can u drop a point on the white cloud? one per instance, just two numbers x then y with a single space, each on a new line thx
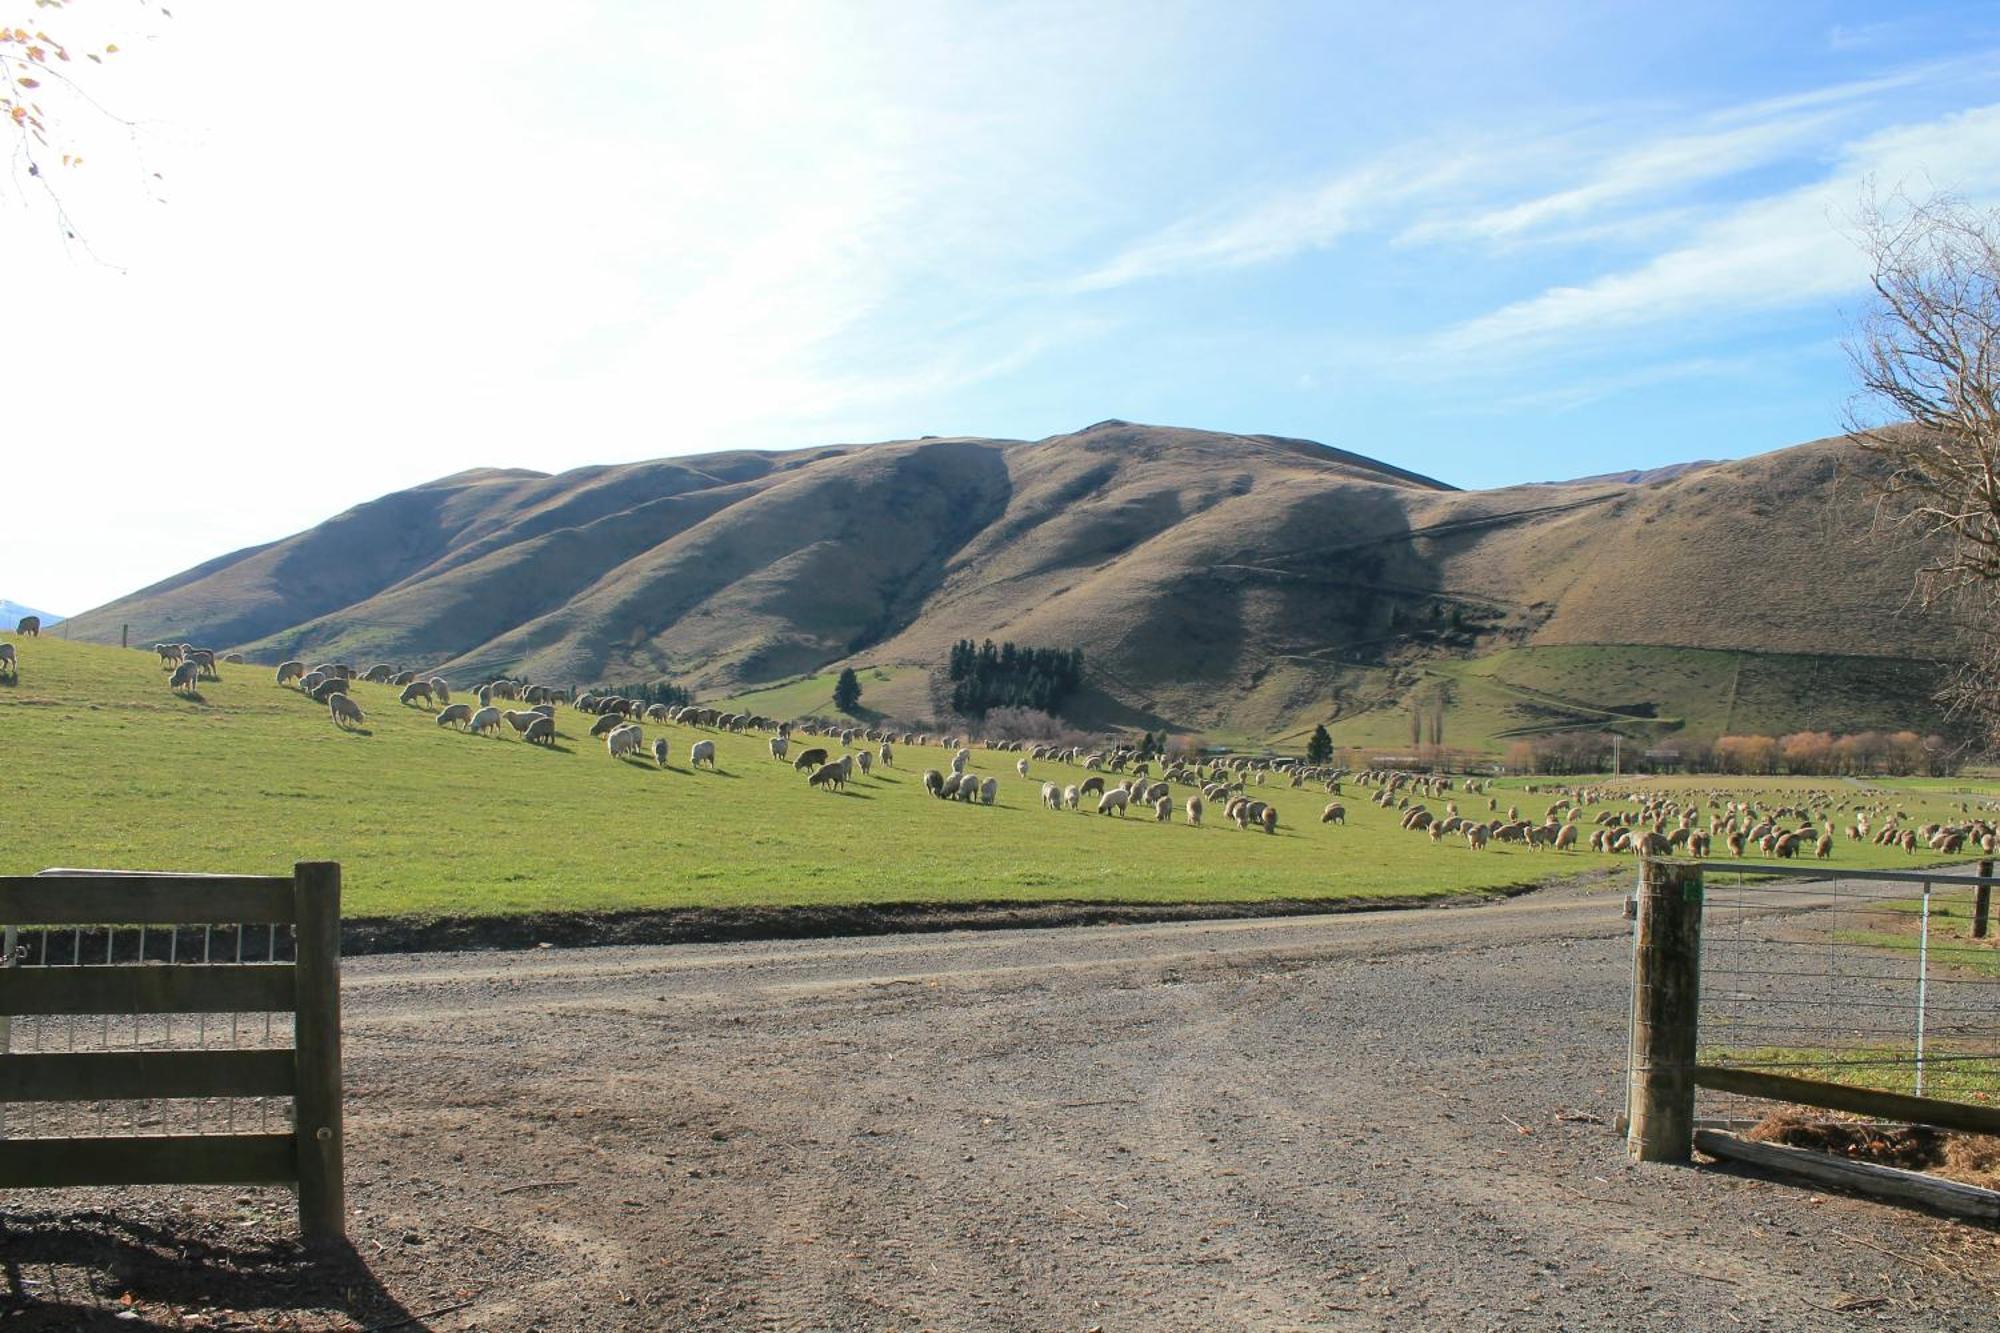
1286 224
1771 252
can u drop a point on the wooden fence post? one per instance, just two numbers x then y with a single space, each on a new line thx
1982 902
1666 991
316 1104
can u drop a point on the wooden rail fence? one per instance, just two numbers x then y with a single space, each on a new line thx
308 900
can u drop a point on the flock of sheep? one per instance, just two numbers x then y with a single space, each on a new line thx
1120 780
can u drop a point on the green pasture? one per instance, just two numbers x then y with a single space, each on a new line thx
105 767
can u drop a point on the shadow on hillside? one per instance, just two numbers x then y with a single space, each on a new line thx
717 772
355 731
181 1268
192 696
856 795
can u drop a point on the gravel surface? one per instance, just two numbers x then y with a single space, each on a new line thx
1361 1121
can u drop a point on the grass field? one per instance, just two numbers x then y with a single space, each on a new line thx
105 767
1648 692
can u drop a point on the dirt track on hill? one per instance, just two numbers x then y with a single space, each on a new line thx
1358 1121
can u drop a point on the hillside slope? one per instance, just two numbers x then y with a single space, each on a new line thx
1215 581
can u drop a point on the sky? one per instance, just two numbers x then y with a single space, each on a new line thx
320 255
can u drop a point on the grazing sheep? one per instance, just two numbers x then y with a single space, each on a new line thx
542 731
1566 838
378 674
1052 796
485 720
415 690
1268 817
1823 848
170 653
618 743
888 755
440 692
1163 810
205 661
521 721
7 658
344 710
933 782
660 751
828 775
778 744
1071 797
808 760
290 671
1476 836
454 713
1115 799
1021 767
959 761
988 790
699 751
1093 785
606 724
865 759
949 785
1335 813
968 789
1194 809
29 627
328 687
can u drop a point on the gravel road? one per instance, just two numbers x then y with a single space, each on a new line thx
1357 1121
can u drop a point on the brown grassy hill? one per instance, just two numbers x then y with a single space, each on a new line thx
1214 581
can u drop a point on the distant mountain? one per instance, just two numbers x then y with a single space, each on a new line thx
11 613
1215 581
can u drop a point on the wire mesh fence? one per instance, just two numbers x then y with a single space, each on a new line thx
1878 982
87 947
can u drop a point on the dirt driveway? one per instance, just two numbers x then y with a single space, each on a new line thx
1393 1120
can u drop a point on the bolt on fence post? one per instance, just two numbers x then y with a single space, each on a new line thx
1666 992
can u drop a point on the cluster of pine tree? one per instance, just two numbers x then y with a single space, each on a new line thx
659 692
987 676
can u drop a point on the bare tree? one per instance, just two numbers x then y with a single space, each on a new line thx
1927 358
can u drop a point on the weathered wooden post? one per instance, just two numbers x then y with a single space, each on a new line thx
316 1101
1666 992
1982 902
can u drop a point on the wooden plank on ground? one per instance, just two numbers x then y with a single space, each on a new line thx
149 988
144 900
162 1159
76 1076
1962 1116
1885 1182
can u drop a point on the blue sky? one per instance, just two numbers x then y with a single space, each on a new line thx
1490 242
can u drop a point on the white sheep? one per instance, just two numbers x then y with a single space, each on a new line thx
1194 808
661 751
542 731
866 760
415 690
454 713
1070 796
344 710
7 658
778 744
1115 799
486 719
699 751
186 678
888 755
1051 796
621 741
988 790
1021 767
290 671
